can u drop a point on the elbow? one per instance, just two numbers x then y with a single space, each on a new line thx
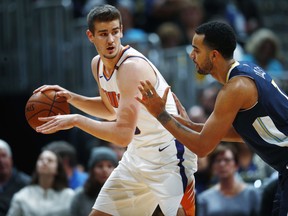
202 154
201 150
124 140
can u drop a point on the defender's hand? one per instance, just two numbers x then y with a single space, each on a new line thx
151 100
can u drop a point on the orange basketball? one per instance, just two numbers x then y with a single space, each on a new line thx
43 105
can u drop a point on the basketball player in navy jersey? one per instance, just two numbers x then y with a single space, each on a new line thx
155 170
249 108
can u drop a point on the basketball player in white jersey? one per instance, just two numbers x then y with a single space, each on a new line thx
156 169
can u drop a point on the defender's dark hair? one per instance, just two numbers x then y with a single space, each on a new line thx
218 36
103 13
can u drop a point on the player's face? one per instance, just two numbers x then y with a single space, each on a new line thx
201 55
107 38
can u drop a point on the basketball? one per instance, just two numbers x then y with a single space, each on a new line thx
44 104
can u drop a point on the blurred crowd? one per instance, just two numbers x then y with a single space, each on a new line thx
174 21
59 185
232 176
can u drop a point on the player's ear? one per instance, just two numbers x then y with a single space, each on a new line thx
121 30
90 35
213 54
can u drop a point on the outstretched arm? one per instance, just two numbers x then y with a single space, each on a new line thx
121 131
201 139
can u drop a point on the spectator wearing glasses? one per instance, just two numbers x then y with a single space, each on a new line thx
229 194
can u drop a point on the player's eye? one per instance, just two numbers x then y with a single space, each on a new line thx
115 32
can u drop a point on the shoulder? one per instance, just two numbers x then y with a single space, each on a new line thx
68 192
96 58
95 61
25 192
23 177
137 62
244 76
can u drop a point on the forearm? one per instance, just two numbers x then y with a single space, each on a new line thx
109 131
93 106
188 136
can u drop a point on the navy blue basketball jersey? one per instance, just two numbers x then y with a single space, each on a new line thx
264 127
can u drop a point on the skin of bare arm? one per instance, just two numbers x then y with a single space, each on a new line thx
95 106
122 130
231 98
106 40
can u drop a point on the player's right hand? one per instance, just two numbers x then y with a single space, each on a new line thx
61 92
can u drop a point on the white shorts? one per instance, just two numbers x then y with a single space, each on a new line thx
142 180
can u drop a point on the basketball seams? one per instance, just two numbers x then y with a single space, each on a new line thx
44 104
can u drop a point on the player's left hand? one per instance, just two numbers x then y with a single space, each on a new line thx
151 100
56 123
183 116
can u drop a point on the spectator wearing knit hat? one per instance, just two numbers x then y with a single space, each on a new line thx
101 163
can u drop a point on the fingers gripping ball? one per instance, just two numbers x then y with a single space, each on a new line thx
44 104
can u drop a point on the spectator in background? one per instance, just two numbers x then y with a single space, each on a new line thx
68 153
132 35
160 11
170 35
252 168
208 97
11 179
48 194
101 163
263 48
190 16
230 194
251 13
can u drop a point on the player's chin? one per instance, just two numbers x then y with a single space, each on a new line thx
110 56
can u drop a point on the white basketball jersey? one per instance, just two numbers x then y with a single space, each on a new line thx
149 132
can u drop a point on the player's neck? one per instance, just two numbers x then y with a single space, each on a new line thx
222 69
109 64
